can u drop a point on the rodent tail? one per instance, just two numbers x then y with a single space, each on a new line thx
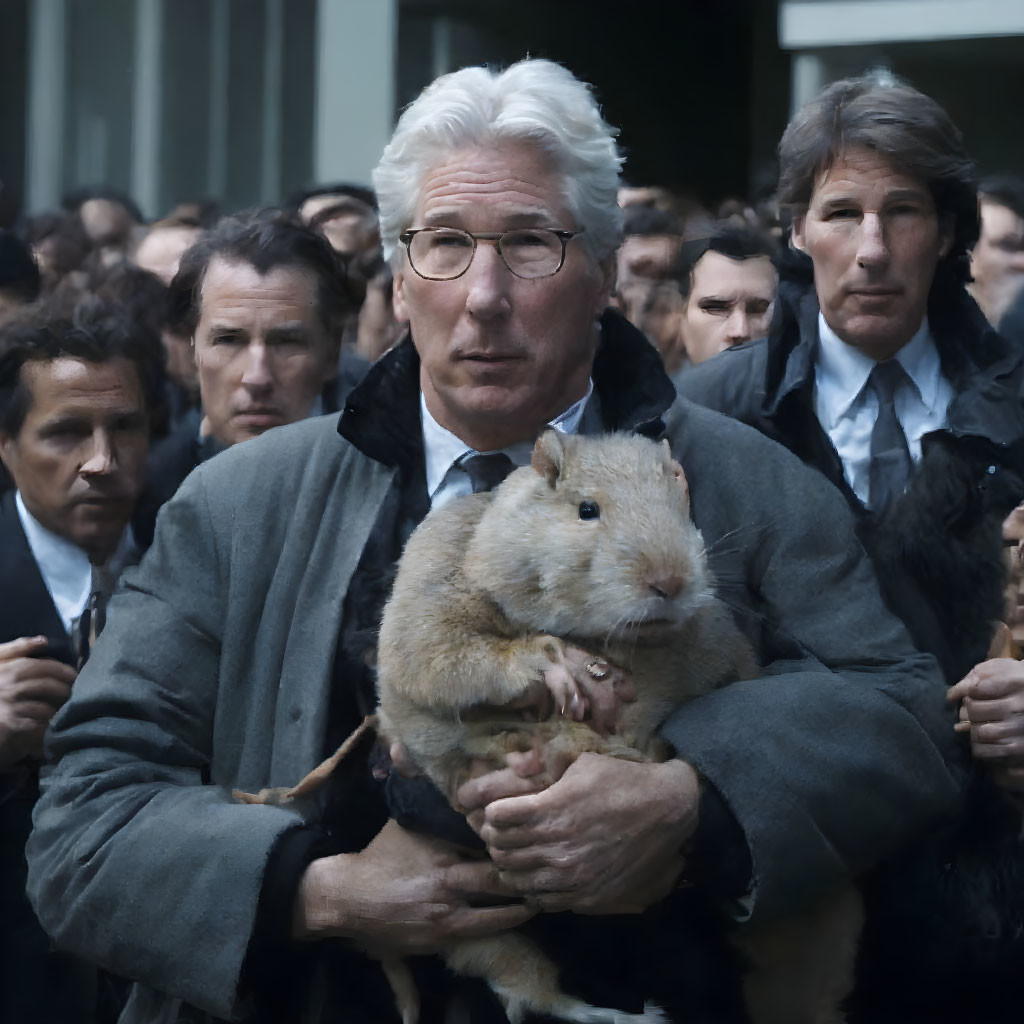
315 779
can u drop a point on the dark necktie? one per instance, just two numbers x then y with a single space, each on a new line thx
87 627
485 472
891 464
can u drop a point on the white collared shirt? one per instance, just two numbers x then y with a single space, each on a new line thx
847 408
443 450
64 566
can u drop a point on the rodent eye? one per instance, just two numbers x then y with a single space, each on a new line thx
589 510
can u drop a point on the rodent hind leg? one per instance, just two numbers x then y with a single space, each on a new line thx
526 981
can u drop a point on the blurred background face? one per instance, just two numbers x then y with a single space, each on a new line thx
997 262
262 350
106 222
161 250
874 237
347 222
646 257
79 458
730 302
656 308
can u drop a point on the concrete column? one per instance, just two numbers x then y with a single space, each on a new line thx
808 76
273 64
355 94
217 132
147 115
44 149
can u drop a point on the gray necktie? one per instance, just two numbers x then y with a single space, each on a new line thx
485 472
891 464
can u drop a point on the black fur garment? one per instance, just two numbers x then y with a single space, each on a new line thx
938 550
944 938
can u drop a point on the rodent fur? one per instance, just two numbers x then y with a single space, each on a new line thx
489 590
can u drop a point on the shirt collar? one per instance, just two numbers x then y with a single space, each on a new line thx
841 370
64 566
443 449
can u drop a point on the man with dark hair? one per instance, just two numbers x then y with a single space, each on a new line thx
74 420
997 259
262 299
884 375
728 283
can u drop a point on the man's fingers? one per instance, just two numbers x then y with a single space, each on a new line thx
990 680
479 922
472 879
495 786
997 732
34 713
19 671
23 647
998 750
1002 710
960 690
54 692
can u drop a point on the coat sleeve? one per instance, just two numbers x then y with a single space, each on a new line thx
843 749
135 863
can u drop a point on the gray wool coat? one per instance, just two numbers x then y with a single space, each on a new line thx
215 669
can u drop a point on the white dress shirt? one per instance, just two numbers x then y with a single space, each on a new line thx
442 450
847 408
65 567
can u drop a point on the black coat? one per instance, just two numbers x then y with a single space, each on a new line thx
944 938
938 550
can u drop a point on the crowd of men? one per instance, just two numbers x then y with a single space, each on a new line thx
189 595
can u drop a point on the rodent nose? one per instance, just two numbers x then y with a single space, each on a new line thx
665 586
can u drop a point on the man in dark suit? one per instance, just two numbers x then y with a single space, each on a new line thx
883 375
74 435
263 299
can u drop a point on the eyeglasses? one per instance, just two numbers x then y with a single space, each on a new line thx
443 254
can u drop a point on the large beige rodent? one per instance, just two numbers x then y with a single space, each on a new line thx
592 544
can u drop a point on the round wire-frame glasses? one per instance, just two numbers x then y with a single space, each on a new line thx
444 254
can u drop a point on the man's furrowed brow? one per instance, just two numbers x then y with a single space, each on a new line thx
454 217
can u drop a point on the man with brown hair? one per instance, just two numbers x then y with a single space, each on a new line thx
884 375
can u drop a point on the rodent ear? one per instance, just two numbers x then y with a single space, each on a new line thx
677 470
548 456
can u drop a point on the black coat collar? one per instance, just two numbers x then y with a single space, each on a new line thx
985 370
382 414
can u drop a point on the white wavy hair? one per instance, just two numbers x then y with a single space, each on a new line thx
535 101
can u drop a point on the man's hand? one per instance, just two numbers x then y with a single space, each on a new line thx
606 838
993 711
32 689
405 892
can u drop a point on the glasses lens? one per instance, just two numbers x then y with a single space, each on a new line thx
533 252
440 253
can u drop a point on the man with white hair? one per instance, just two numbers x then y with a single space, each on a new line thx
242 650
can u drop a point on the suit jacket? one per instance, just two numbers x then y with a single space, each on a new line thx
26 608
36 984
215 671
